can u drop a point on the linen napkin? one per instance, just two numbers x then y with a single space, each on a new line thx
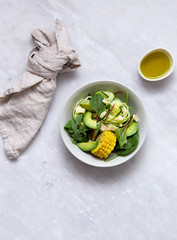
23 107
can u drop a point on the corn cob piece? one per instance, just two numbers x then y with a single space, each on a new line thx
106 144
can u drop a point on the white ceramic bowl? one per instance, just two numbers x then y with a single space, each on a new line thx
172 64
82 92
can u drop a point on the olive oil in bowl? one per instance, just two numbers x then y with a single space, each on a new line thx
156 65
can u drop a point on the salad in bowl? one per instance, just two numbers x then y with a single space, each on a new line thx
103 124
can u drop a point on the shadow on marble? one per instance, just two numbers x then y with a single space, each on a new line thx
104 175
155 86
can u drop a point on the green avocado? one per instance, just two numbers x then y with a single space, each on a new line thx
86 104
88 121
87 146
132 129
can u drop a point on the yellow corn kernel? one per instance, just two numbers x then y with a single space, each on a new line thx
106 143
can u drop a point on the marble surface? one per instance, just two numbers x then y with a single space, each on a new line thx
49 194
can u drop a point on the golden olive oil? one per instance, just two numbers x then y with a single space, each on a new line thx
155 65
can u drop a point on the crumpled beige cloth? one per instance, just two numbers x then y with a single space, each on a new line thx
24 106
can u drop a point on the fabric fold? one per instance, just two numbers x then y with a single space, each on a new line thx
24 106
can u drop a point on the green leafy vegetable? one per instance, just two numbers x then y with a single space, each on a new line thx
78 119
77 132
111 158
121 136
127 151
97 105
131 141
121 133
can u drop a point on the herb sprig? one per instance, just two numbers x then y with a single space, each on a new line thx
78 132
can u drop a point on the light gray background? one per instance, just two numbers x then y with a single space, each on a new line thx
49 194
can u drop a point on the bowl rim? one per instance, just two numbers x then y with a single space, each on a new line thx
172 61
107 164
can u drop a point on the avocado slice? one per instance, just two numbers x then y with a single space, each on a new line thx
87 146
86 104
88 121
132 129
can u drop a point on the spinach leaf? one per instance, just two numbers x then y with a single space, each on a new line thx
125 152
96 104
121 136
121 133
68 126
111 158
131 141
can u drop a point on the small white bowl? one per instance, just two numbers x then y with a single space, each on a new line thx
91 88
172 64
